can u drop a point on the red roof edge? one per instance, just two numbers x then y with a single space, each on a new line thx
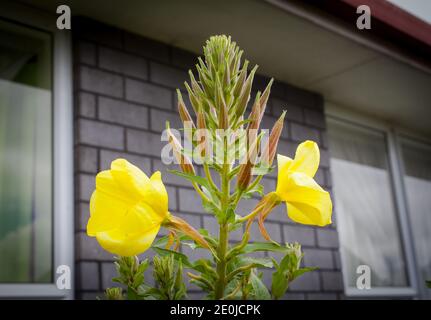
397 18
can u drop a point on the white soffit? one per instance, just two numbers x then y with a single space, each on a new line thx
284 45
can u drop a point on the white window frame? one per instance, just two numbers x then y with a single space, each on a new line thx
62 106
420 142
396 173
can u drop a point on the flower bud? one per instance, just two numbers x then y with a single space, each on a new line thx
274 137
264 98
184 161
182 110
244 175
178 224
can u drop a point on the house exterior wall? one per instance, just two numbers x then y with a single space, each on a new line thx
124 91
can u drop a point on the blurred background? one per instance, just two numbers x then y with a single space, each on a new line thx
73 100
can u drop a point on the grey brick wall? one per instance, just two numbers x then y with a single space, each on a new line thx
124 88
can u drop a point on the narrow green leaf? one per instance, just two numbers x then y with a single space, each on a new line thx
177 256
264 246
259 289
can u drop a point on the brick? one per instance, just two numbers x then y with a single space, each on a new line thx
322 296
90 295
324 142
268 184
327 238
146 47
121 112
307 282
189 201
86 105
87 248
149 94
159 118
328 178
293 112
148 276
318 258
167 76
199 295
324 158
320 177
195 254
100 134
82 216
296 233
301 133
86 159
286 148
86 185
101 82
279 214
211 224
145 143
315 118
87 276
337 260
246 206
301 97
107 156
124 63
86 52
108 272
293 296
183 59
273 230
332 280
92 30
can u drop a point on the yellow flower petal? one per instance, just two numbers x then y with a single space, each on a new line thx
283 163
307 159
127 208
126 245
129 177
106 212
157 194
106 183
307 202
139 219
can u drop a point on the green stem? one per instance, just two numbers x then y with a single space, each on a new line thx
224 230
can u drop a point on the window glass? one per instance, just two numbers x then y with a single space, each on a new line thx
364 205
417 181
25 155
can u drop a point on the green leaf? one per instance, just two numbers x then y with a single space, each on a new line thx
280 283
301 271
428 283
263 246
261 170
256 262
177 256
256 189
191 177
259 289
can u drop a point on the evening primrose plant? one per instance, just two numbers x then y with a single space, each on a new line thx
128 208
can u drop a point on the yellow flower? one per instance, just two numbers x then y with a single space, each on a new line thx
306 201
127 209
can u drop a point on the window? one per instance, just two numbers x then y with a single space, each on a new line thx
365 207
36 167
371 207
26 155
417 180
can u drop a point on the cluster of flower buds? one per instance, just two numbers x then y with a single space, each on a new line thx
219 96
